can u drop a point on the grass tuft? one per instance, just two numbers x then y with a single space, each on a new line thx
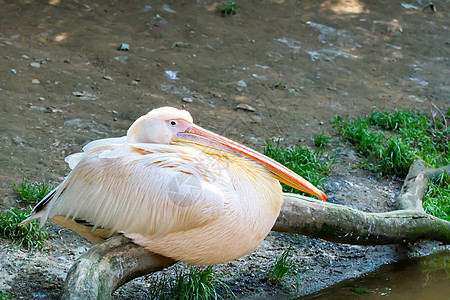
321 140
228 8
313 166
5 296
391 141
30 236
437 199
279 85
283 265
32 192
196 284
396 156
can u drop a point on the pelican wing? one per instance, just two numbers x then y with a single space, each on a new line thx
73 159
104 142
147 189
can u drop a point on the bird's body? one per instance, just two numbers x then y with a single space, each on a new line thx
186 198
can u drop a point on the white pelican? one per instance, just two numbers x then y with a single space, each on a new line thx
174 188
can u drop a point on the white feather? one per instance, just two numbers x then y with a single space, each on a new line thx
73 159
99 190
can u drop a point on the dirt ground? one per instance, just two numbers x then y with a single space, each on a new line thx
277 69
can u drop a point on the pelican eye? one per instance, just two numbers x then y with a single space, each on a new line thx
173 123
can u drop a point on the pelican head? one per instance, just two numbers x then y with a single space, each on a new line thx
168 125
159 126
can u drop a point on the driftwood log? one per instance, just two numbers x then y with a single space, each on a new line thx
112 263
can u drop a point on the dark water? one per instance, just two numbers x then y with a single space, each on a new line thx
424 278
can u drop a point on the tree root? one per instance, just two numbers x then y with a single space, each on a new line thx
112 263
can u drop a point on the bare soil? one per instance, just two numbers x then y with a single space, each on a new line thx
297 64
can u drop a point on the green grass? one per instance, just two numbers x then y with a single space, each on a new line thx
321 140
313 166
31 193
284 264
391 141
4 296
228 8
279 85
30 236
197 283
437 199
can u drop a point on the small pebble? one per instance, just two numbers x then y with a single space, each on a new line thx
257 118
245 107
35 81
52 109
187 100
180 44
147 8
124 47
35 65
241 83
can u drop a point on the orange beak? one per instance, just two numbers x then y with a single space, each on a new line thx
196 134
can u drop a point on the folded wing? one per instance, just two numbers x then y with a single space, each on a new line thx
147 189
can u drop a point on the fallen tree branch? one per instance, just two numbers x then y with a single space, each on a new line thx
107 266
341 224
112 263
416 184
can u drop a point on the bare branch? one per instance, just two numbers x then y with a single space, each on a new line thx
341 224
337 223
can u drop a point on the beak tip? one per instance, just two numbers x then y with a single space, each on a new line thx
323 196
